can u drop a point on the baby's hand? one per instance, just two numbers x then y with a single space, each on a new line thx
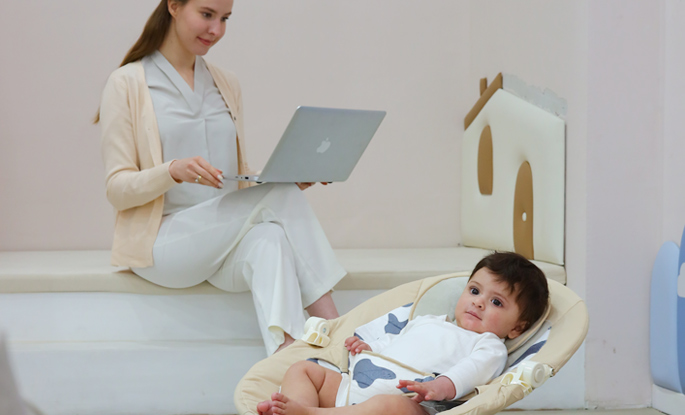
355 345
439 389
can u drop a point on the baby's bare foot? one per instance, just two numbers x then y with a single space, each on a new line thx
265 408
282 405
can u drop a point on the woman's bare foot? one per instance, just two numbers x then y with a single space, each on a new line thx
287 342
265 408
282 405
324 307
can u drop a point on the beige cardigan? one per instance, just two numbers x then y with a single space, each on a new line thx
136 175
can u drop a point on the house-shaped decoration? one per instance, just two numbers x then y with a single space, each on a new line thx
513 176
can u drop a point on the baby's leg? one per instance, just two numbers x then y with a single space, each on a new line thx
309 384
380 404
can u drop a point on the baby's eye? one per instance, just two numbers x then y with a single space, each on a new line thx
474 291
497 302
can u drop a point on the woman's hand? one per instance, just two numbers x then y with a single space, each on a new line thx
303 186
438 389
355 345
196 170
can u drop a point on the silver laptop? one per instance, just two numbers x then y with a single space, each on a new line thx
320 145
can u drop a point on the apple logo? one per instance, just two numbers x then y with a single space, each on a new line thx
325 145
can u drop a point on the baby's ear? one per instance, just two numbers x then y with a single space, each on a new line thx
520 327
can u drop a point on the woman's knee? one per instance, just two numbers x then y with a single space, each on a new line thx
267 232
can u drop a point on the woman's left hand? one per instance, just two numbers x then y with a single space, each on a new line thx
307 185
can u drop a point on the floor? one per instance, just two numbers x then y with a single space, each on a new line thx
646 411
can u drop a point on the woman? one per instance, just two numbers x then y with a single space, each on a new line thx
172 128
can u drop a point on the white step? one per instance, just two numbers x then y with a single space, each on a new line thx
150 378
88 338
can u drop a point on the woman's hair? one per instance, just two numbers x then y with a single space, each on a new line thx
151 39
523 278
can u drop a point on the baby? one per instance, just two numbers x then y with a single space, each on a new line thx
504 296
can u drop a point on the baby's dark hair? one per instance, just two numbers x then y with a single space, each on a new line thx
523 278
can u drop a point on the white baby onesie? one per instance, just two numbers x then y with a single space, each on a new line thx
429 344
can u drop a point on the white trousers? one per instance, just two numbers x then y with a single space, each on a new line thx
265 239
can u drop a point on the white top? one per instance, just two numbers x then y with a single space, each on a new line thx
191 123
434 345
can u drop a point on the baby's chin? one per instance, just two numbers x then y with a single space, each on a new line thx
470 325
475 327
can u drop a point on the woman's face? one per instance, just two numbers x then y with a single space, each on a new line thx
200 24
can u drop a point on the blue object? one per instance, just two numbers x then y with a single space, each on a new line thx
667 340
680 293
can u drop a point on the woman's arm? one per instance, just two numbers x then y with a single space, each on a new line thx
127 184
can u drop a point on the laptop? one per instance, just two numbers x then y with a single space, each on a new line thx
319 145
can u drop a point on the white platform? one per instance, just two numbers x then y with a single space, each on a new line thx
89 271
668 402
87 339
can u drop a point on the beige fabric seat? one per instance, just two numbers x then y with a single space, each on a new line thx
567 318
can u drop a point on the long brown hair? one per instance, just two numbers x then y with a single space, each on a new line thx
151 39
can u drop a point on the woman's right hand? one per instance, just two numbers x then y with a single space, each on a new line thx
196 170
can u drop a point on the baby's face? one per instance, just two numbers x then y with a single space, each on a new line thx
487 305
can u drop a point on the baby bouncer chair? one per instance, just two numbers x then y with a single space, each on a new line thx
534 356
512 197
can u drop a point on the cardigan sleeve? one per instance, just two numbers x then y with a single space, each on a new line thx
127 184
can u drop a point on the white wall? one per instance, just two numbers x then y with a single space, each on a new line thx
617 63
624 195
390 54
545 44
674 121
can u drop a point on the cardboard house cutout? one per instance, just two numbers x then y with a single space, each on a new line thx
513 176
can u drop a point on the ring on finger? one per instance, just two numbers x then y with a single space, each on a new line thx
198 178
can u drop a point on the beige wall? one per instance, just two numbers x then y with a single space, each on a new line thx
674 122
545 44
616 63
410 61
624 195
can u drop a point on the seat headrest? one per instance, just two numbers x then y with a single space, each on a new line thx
442 299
